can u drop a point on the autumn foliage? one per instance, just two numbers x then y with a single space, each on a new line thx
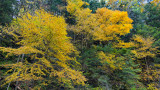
91 51
43 39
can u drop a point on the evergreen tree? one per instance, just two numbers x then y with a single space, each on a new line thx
7 11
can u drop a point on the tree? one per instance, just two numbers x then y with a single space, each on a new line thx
45 51
112 24
146 23
145 53
104 25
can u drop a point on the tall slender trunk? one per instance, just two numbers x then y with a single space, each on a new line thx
19 73
82 43
14 71
107 87
74 37
147 68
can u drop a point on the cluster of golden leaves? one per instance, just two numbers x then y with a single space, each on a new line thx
112 23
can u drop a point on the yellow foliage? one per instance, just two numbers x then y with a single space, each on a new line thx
85 21
112 23
104 25
157 65
142 9
150 74
151 87
112 60
21 50
75 5
67 75
43 29
122 44
42 37
155 2
108 59
143 47
24 72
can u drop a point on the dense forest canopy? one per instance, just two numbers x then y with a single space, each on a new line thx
80 44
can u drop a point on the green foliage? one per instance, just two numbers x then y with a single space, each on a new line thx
115 76
90 64
146 22
56 5
152 13
7 11
129 74
126 76
94 4
146 30
109 56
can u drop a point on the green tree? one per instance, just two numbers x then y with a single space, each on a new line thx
8 10
152 13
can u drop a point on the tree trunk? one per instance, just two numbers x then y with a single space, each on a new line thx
14 71
19 73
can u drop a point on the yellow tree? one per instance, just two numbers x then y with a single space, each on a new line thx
45 50
85 22
144 47
144 52
104 25
112 24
